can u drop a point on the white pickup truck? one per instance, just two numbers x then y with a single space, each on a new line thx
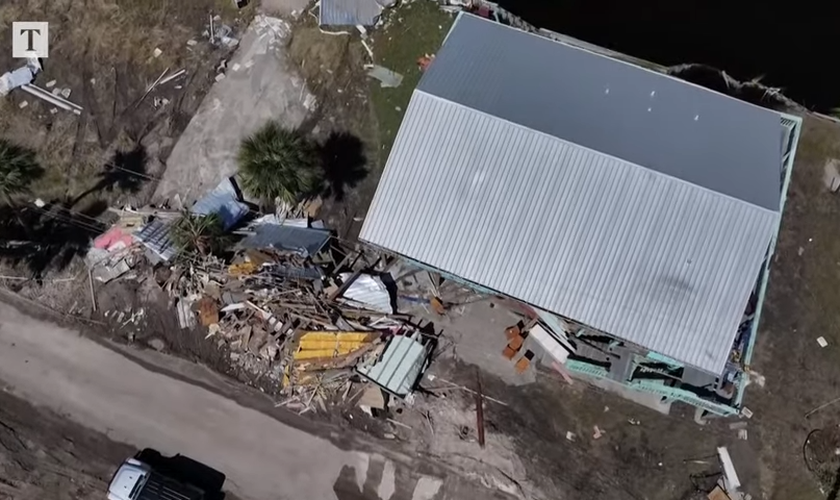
137 480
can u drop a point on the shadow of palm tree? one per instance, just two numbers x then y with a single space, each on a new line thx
344 163
48 238
126 172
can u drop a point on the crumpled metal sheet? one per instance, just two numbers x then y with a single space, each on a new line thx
368 292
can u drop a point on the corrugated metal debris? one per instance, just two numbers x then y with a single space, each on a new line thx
368 292
302 241
400 366
155 236
351 12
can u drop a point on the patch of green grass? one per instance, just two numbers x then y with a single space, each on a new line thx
411 31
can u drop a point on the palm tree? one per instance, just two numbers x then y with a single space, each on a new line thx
276 162
18 169
198 233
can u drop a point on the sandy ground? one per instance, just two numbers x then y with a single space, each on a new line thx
134 402
260 85
42 455
102 53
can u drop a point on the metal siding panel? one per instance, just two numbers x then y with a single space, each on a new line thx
348 12
564 95
570 230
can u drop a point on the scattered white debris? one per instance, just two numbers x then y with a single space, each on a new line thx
570 435
368 49
633 421
235 67
173 76
65 93
157 52
39 203
730 477
822 342
192 43
309 102
831 175
53 111
19 77
93 81
56 91
50 84
746 412
742 434
801 251
598 432
24 104
756 378
387 78
220 77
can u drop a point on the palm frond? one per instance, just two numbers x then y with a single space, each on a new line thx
276 162
198 233
18 169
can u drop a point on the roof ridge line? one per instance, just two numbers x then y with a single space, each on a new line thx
606 155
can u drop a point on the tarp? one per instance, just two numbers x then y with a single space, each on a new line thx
224 201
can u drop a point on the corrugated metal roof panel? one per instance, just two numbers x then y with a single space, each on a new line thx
641 116
155 236
646 257
301 240
349 12
399 367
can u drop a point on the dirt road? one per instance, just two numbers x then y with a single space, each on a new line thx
132 402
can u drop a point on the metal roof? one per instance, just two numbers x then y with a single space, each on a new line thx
155 236
349 12
303 241
641 116
641 253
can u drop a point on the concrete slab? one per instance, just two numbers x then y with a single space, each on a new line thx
477 331
265 86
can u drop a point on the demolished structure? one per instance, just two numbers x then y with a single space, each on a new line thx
634 214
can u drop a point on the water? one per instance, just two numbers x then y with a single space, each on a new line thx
790 45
